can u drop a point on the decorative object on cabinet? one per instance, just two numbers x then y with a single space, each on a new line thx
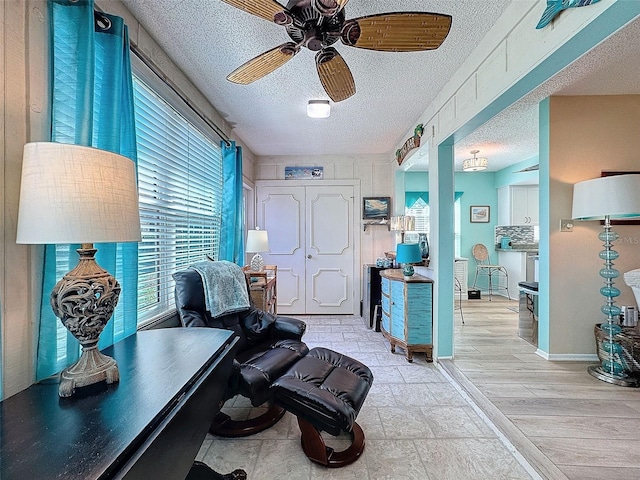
474 164
376 208
402 224
494 273
406 254
606 198
75 194
407 313
263 288
257 241
479 213
423 241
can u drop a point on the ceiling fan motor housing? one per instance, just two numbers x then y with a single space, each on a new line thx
314 30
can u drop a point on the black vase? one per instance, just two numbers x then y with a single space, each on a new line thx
424 245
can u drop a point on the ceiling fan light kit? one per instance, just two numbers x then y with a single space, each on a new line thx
474 164
318 24
318 109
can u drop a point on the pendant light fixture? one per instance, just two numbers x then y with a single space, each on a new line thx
474 164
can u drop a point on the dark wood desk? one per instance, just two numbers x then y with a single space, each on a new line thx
150 425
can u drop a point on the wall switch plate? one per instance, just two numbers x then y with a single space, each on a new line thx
566 225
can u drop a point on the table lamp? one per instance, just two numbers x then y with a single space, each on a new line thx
402 224
606 198
407 253
75 194
257 241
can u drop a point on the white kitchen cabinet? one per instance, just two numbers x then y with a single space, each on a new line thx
516 265
518 205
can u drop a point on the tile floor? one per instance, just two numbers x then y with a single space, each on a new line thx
418 424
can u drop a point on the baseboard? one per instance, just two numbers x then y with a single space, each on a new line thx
568 357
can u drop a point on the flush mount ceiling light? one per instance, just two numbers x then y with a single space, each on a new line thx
474 164
318 109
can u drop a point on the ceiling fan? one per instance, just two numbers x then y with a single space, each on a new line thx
318 24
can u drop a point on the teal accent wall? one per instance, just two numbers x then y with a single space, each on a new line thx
478 189
544 342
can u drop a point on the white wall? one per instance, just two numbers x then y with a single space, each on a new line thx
375 173
23 88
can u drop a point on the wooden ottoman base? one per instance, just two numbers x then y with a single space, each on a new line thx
317 451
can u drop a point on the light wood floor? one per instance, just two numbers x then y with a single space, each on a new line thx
566 423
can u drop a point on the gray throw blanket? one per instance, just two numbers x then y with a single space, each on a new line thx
225 287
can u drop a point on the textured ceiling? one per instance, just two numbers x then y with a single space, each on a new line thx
611 68
208 39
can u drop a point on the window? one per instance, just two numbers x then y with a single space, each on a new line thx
420 210
180 187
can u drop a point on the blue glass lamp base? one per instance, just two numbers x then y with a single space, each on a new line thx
621 380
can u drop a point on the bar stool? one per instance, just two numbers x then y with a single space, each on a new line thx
484 267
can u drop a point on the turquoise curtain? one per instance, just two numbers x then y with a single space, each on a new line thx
91 104
410 198
232 224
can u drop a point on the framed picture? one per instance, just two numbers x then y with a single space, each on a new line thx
479 214
376 207
303 173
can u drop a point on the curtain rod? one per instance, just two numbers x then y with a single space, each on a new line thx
152 66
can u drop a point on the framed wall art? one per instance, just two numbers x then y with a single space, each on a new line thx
376 208
479 213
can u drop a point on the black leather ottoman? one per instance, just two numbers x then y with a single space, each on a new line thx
325 391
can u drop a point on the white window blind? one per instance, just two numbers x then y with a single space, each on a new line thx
420 210
180 187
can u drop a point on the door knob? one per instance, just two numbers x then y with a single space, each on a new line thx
309 256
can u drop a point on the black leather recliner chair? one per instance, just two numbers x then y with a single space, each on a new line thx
268 346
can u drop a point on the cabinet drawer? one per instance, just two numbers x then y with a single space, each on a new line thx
385 284
385 321
386 303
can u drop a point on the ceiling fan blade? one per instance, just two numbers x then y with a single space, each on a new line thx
263 64
268 9
397 32
335 75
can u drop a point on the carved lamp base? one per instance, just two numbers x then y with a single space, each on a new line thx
257 263
84 300
92 367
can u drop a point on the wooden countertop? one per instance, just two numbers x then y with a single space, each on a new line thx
396 274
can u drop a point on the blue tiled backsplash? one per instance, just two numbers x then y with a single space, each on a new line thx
520 234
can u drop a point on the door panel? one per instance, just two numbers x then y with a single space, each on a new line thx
329 270
281 213
311 241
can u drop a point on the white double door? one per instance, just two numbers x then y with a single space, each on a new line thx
311 240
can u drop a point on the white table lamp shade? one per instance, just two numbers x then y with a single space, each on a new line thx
257 241
75 194
617 196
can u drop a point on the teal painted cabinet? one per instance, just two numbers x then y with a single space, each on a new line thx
407 315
